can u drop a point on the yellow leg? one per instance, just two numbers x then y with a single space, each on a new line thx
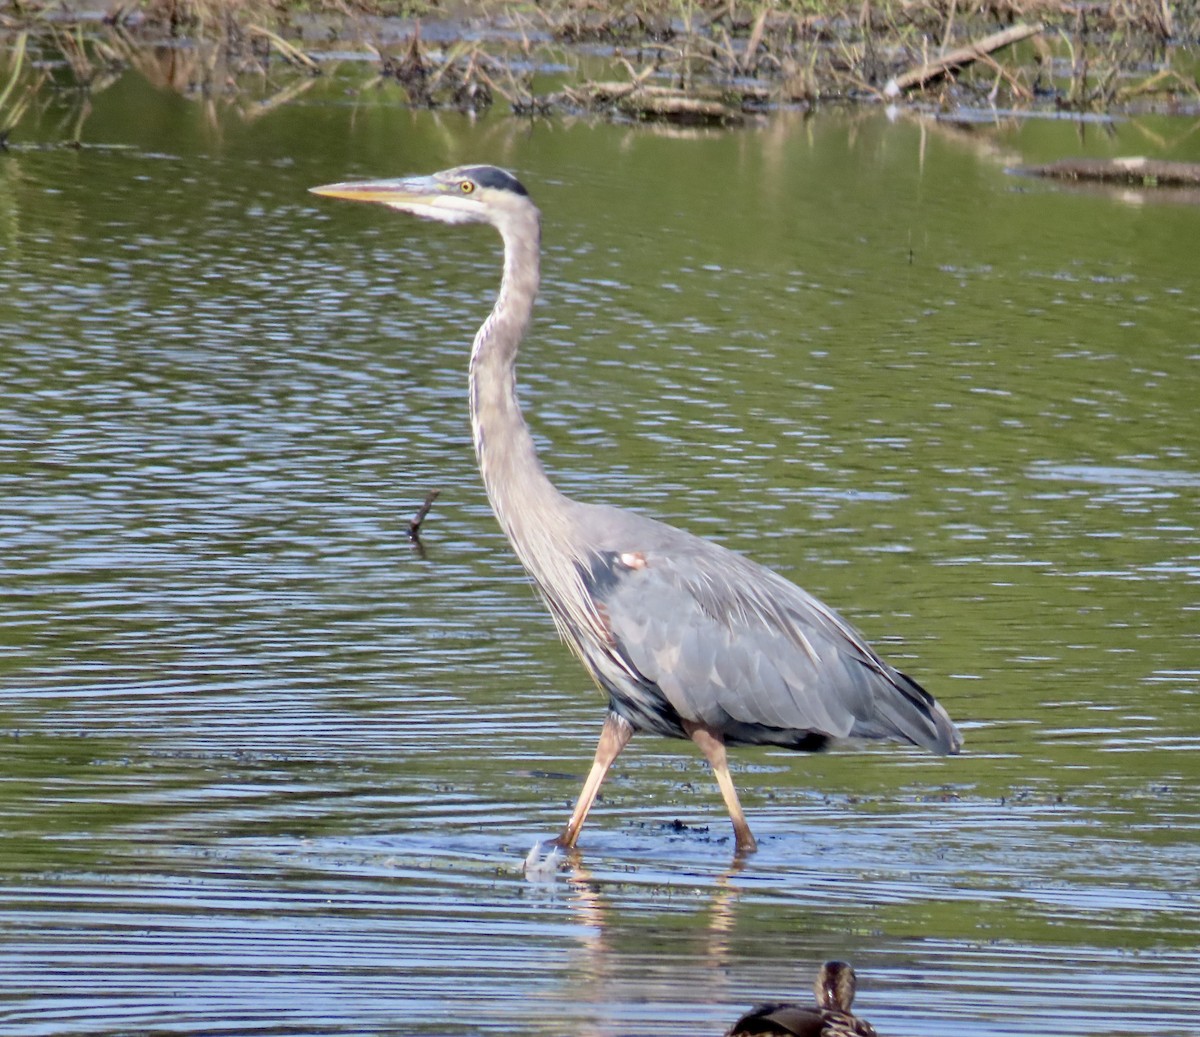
614 736
713 746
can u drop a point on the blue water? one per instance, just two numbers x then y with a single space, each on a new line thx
270 769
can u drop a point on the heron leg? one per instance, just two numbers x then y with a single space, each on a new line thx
713 745
614 736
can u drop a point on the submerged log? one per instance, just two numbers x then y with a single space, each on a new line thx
1143 172
642 101
958 57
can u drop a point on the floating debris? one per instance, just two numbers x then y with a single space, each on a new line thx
647 102
1138 172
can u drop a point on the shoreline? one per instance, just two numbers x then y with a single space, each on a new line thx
661 60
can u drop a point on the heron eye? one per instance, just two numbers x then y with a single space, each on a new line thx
467 187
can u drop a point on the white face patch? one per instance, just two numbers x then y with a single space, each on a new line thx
447 209
633 560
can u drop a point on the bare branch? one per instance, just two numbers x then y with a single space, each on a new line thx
955 59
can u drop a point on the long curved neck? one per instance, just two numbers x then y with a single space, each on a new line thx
523 498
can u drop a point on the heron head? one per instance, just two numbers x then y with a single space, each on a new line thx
465 194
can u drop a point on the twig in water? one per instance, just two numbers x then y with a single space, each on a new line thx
414 525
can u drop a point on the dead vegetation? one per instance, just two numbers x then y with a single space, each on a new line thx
1082 56
685 60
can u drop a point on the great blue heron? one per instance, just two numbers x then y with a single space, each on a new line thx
832 1017
686 638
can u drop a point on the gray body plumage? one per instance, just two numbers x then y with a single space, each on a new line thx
693 631
685 637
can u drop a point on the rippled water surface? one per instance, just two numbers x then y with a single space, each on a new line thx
268 769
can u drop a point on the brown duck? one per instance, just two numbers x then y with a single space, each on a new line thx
831 1017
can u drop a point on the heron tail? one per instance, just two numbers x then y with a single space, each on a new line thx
911 714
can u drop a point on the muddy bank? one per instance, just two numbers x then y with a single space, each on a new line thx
659 59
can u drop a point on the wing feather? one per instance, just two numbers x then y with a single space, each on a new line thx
734 645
